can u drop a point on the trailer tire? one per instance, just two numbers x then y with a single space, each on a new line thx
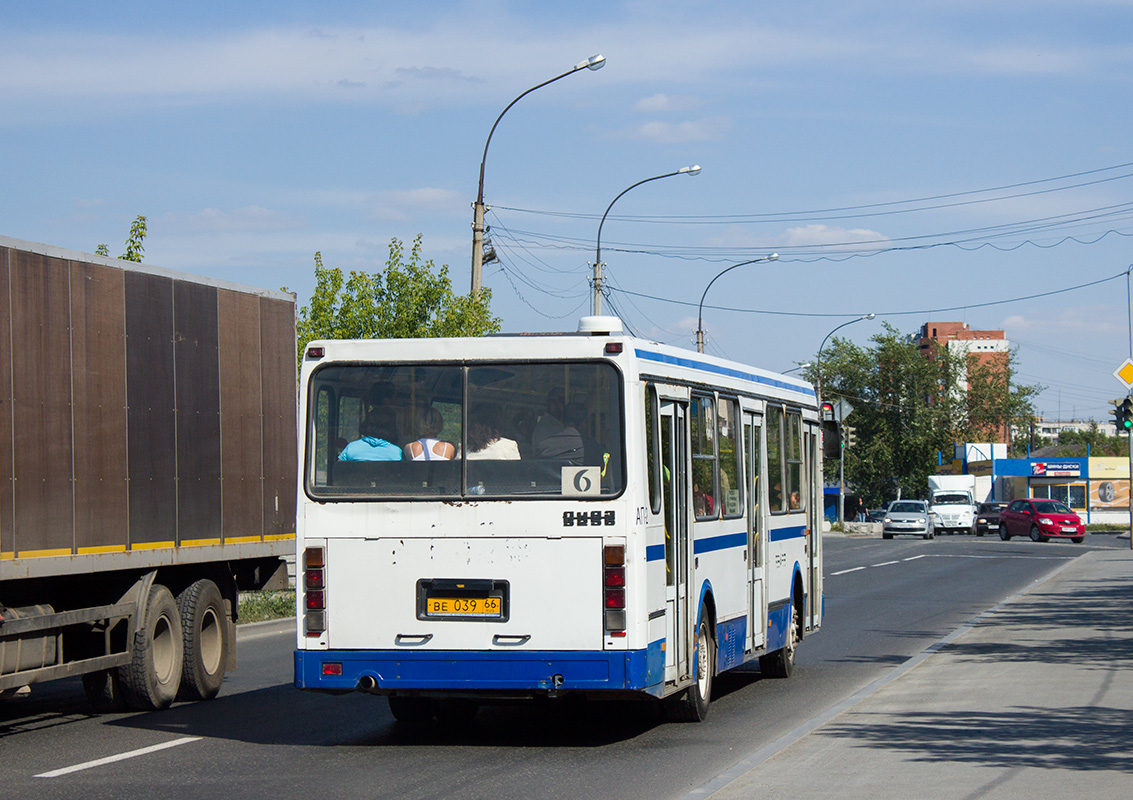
104 691
152 677
204 625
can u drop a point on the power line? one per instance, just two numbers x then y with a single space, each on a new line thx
880 313
868 209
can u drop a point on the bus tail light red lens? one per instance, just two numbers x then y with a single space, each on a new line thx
614 588
314 586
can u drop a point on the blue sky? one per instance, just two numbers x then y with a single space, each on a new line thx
918 161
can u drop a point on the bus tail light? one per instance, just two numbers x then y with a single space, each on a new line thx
314 586
614 588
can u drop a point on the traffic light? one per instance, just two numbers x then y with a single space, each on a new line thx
849 436
831 435
1123 414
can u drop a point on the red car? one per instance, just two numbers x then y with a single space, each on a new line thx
1041 519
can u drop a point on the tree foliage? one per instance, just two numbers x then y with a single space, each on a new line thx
908 408
134 242
408 298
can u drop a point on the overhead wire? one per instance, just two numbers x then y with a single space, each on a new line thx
789 216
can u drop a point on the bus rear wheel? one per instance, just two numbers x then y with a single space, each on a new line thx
781 663
692 704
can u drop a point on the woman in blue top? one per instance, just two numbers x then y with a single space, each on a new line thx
376 431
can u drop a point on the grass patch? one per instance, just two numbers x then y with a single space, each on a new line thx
264 606
1106 528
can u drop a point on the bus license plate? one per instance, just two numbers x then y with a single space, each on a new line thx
463 607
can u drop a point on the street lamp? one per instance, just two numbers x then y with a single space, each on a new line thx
596 300
842 450
700 310
592 63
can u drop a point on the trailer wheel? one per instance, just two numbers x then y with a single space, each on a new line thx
204 625
153 675
692 704
104 691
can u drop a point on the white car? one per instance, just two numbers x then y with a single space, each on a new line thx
908 518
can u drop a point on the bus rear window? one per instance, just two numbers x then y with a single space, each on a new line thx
478 430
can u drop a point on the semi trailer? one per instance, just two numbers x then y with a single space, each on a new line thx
147 471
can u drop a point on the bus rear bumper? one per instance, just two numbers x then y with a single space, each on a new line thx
384 671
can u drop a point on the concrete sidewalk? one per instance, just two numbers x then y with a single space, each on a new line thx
1034 700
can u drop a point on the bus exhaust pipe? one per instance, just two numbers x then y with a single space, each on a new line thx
367 683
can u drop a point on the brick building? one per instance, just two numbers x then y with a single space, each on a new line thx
983 347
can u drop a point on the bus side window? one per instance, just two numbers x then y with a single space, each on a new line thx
704 474
774 462
727 439
794 459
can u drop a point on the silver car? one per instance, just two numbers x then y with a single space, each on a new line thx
910 517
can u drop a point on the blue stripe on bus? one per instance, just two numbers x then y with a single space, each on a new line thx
722 542
704 366
446 670
656 552
782 534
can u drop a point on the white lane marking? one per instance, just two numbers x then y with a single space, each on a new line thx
843 572
951 555
55 773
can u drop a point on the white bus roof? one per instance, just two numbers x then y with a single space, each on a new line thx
638 357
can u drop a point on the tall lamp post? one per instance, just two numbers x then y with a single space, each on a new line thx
700 309
596 297
592 63
842 450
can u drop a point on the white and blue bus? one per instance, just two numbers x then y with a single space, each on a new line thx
505 517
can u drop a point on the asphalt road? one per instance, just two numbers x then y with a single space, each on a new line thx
885 602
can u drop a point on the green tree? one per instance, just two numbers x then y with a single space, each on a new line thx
993 403
134 242
408 298
908 408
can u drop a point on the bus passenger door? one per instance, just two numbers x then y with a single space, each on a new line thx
814 518
674 455
756 533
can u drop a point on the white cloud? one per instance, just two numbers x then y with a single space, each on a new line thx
703 130
824 235
250 219
401 205
667 102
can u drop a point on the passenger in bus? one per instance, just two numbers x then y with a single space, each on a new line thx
522 427
701 501
428 423
485 440
567 443
383 396
376 430
550 423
